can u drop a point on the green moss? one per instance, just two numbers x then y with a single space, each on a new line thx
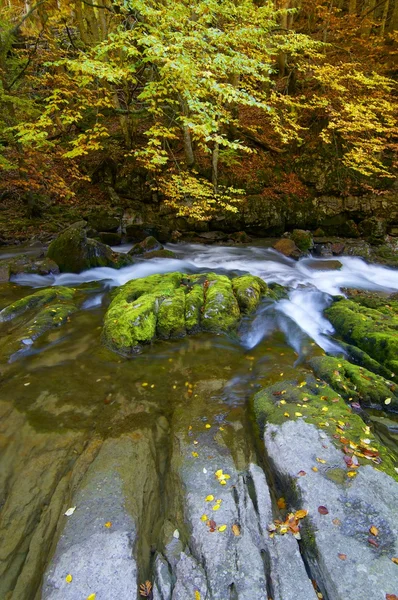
319 404
302 239
221 310
355 383
373 331
248 290
193 306
36 300
171 316
74 252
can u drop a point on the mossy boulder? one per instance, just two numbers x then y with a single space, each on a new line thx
37 266
317 403
149 244
303 239
287 247
354 383
373 330
248 290
74 252
173 304
159 254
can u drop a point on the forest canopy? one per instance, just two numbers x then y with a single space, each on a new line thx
183 94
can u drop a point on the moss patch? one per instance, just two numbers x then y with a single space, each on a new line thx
248 290
354 383
171 316
36 300
373 330
221 311
319 404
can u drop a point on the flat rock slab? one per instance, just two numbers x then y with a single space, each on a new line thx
98 557
345 564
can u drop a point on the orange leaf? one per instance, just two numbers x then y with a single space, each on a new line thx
373 530
281 503
342 556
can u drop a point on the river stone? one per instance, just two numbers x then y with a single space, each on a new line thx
74 252
324 265
370 499
287 247
99 558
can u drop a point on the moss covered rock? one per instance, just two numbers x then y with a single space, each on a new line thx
373 330
170 305
149 244
33 315
221 310
288 248
303 239
355 383
74 252
317 403
248 290
35 301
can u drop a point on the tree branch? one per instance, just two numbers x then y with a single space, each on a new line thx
98 6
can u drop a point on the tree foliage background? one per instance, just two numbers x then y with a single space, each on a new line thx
193 98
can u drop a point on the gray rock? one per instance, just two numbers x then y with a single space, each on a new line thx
100 559
371 498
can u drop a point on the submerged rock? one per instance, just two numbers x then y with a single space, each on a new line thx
169 305
74 252
34 315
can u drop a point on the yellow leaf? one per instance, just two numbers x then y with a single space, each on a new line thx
207 426
144 384
68 578
387 401
223 482
91 597
315 469
373 530
203 518
216 507
321 460
236 531
197 595
286 414
218 473
300 514
298 414
108 524
222 528
283 530
351 474
209 498
302 384
282 402
325 409
195 454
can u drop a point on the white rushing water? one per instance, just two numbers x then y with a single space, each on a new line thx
310 285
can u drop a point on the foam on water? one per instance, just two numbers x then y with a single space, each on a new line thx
298 316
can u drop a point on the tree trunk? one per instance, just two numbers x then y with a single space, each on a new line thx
352 7
384 18
214 166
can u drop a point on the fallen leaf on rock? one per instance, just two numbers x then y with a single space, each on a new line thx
387 401
108 524
222 528
373 542
300 514
342 556
321 460
236 531
351 473
91 597
209 498
207 426
195 454
298 414
70 511
301 473
391 597
336 522
216 506
203 518
315 469
395 560
323 510
69 578
281 503
146 590
373 530
197 595
286 414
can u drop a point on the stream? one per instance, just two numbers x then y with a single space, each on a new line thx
71 410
